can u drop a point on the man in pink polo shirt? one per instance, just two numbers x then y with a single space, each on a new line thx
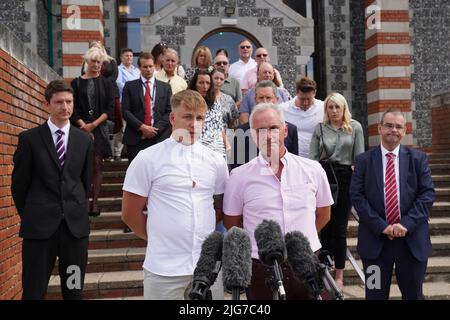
279 186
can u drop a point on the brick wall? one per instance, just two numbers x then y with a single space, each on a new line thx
440 115
23 78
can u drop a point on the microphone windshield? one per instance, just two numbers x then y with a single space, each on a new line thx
270 242
302 259
210 254
237 259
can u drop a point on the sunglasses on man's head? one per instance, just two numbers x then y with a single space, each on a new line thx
245 47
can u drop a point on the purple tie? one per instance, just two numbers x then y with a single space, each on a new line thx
60 150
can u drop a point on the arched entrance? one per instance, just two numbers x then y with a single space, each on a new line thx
227 38
287 36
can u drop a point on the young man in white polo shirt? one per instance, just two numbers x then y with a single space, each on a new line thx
176 179
305 112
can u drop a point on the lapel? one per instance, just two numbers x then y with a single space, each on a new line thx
403 167
378 170
140 86
48 141
71 145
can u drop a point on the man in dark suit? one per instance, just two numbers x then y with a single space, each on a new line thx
145 108
50 187
244 148
392 191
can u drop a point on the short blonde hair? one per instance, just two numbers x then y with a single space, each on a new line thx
205 50
95 53
340 100
190 99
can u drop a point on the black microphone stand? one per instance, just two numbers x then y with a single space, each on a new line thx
328 280
276 283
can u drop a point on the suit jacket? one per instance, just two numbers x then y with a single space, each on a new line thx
43 192
416 199
246 150
133 110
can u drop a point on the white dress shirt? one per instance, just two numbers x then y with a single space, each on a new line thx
179 182
396 151
306 121
240 68
65 129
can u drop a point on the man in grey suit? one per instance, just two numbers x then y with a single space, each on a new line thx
50 187
145 108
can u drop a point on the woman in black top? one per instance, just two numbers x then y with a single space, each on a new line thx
93 105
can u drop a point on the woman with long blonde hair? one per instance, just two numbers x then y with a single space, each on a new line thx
338 140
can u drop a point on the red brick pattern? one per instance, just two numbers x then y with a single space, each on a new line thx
441 129
383 105
81 36
73 60
86 12
21 107
389 83
388 38
385 60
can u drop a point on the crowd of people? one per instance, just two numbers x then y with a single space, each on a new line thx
211 147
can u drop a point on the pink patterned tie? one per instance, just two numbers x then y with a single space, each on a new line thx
390 191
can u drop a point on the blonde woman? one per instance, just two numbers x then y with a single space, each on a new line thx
339 139
202 59
93 105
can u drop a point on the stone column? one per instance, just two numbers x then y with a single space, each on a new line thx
338 49
388 57
82 23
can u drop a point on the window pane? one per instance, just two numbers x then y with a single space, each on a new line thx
160 3
130 35
134 8
227 40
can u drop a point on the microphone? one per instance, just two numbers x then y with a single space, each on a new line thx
304 262
237 261
272 251
208 267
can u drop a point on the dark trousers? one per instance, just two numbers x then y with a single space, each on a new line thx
262 276
133 150
409 271
334 235
38 261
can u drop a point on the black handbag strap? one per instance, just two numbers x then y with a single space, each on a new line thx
327 160
323 143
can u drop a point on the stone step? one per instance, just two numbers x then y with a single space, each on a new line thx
111 190
440 160
107 220
100 285
442 194
114 238
116 259
113 177
441 181
431 291
440 209
438 226
433 156
109 166
440 168
438 270
440 246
